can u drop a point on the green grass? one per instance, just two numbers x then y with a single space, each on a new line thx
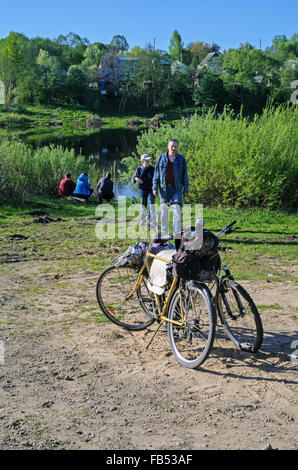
39 123
39 115
269 307
263 248
56 207
38 119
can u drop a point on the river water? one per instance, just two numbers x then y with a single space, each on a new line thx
106 147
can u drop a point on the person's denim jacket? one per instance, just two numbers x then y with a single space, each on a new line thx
180 173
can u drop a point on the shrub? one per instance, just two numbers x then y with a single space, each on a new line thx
15 169
26 171
231 159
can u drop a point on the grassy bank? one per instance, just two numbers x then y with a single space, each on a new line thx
29 121
40 118
264 248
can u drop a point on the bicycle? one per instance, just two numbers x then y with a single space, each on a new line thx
232 302
187 308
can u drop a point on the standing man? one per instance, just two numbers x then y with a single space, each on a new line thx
144 177
171 178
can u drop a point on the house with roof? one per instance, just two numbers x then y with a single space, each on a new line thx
115 70
210 63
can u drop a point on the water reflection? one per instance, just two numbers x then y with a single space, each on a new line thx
111 161
116 143
106 147
108 152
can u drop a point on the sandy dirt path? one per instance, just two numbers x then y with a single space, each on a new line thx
68 382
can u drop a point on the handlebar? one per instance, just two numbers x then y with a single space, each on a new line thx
227 229
159 239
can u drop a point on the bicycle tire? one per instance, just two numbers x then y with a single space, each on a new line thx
239 316
192 343
146 298
112 287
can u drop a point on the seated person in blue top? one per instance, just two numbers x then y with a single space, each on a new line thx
144 177
83 187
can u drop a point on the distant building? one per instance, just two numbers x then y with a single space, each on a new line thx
258 80
114 70
210 63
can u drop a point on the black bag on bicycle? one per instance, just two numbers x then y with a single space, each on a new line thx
197 261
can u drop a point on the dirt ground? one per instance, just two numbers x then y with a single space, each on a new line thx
68 382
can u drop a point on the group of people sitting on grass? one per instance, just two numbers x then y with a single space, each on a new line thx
82 188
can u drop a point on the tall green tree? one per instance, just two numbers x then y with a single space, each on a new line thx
94 53
11 63
76 84
72 48
199 50
176 46
120 43
210 91
46 60
151 82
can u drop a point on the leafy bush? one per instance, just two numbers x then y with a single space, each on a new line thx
15 168
231 159
26 171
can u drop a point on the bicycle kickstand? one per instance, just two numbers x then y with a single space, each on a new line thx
154 334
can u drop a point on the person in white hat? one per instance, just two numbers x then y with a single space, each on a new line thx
144 177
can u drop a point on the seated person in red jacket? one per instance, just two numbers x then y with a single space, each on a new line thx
66 186
105 188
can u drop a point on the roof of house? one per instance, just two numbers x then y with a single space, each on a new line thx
207 58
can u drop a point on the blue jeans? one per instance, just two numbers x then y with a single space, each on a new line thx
147 200
174 198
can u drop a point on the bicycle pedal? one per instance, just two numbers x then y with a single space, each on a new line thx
246 347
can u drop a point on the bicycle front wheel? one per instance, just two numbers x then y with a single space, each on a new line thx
113 286
192 340
240 316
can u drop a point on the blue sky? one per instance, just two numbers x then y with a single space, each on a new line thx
226 22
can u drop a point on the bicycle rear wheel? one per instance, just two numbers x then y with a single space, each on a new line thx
112 288
146 298
240 316
192 342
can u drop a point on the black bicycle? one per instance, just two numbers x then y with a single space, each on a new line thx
236 309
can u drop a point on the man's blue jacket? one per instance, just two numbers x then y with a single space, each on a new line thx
180 173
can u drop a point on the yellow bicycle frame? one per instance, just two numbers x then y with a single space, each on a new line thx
161 309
